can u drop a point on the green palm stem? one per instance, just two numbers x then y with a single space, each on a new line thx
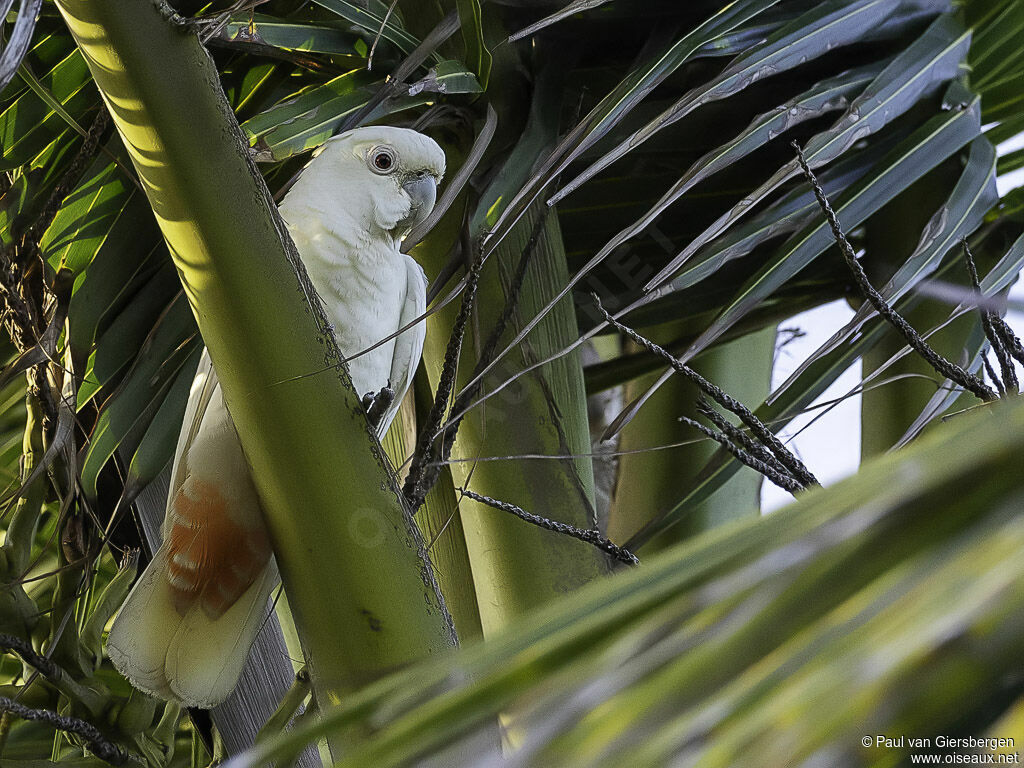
21 529
438 518
18 613
517 567
359 582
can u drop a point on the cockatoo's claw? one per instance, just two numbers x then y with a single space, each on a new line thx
377 404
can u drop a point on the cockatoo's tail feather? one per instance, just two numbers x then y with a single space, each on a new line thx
206 659
141 656
193 658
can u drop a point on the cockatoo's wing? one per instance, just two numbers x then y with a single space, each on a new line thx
408 345
204 385
173 638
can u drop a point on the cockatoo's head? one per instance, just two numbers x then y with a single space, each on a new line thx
383 177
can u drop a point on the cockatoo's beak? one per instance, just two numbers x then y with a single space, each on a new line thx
422 190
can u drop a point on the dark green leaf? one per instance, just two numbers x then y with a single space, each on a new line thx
371 20
307 36
120 343
87 215
575 6
48 50
927 147
27 125
448 77
1010 162
1004 101
828 96
33 186
157 446
830 25
792 212
12 205
625 96
131 252
996 50
125 415
914 157
308 119
918 71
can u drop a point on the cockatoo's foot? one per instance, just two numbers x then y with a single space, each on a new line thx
377 404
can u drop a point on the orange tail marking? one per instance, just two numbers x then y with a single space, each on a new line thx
210 556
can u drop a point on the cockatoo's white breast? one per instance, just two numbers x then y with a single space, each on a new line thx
363 282
347 217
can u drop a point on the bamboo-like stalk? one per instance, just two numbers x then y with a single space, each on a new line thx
438 518
517 567
650 482
21 530
18 612
353 563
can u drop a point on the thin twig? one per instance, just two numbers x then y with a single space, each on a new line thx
380 33
25 650
98 744
1008 381
415 489
946 368
585 535
745 442
993 375
1010 341
785 482
795 467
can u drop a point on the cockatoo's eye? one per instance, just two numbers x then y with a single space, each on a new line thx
382 160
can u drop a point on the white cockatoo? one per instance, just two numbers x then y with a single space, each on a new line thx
186 628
